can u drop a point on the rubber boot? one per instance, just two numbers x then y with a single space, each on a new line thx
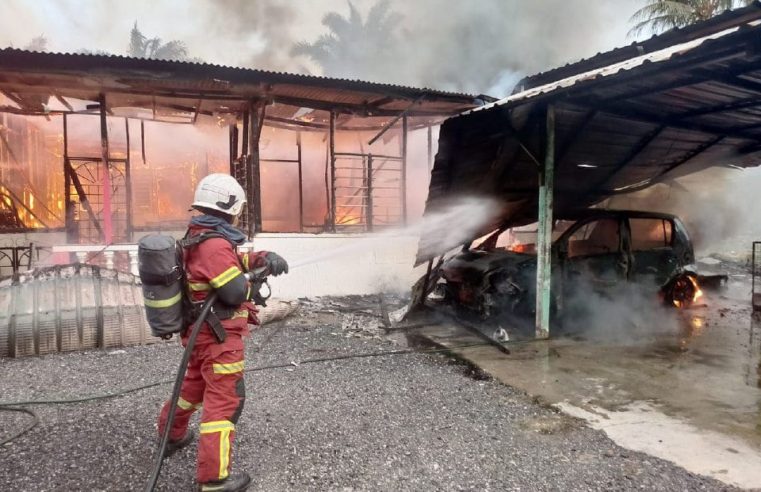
174 446
234 483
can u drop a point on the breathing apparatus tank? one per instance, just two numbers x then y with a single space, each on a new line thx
161 271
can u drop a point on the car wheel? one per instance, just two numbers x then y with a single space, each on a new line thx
682 291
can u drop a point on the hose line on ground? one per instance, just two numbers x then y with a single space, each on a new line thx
114 394
12 406
35 421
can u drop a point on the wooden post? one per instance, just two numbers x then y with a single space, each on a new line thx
403 184
369 203
332 156
106 179
233 147
245 133
128 178
142 140
544 236
68 205
255 185
301 183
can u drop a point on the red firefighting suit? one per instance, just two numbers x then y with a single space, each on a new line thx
214 379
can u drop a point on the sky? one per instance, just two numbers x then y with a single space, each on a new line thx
479 46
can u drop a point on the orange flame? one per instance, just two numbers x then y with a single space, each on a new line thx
698 293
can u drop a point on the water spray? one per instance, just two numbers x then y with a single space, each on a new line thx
443 230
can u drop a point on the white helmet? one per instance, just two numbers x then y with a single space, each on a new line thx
220 192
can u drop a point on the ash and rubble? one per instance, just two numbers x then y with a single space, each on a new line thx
406 422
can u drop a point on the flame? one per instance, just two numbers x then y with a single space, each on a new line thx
698 293
524 248
516 247
347 218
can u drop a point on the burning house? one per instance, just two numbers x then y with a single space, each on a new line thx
97 150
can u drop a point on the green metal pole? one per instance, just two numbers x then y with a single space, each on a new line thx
544 233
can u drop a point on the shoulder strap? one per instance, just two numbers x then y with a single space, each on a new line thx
190 241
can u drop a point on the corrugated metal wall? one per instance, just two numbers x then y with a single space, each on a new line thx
70 307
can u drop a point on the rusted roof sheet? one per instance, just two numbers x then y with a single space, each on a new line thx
619 128
28 75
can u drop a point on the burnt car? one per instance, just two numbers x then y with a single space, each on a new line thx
595 249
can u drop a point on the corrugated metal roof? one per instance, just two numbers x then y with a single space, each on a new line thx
659 56
619 128
85 75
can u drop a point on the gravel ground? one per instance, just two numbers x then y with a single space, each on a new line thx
401 422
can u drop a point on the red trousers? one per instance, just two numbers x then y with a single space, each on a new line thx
214 382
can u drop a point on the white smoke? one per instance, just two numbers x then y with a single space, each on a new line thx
718 206
624 313
465 46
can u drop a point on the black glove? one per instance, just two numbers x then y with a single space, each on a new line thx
276 264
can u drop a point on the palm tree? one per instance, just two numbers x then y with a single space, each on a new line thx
142 47
661 15
353 47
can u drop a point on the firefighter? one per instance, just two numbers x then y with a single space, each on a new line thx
214 379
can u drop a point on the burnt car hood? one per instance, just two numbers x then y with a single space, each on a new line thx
472 266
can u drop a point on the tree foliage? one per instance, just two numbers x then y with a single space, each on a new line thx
661 15
354 47
141 46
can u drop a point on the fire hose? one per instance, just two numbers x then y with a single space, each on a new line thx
257 279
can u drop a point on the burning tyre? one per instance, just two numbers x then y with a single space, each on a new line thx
682 291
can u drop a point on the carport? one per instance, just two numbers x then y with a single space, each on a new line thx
619 122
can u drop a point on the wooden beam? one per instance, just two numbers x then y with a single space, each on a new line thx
359 109
626 111
377 103
142 140
720 108
574 134
256 114
106 180
13 98
197 110
128 182
82 195
67 182
332 160
402 115
692 154
233 147
301 182
641 145
502 165
403 184
64 102
369 193
670 167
